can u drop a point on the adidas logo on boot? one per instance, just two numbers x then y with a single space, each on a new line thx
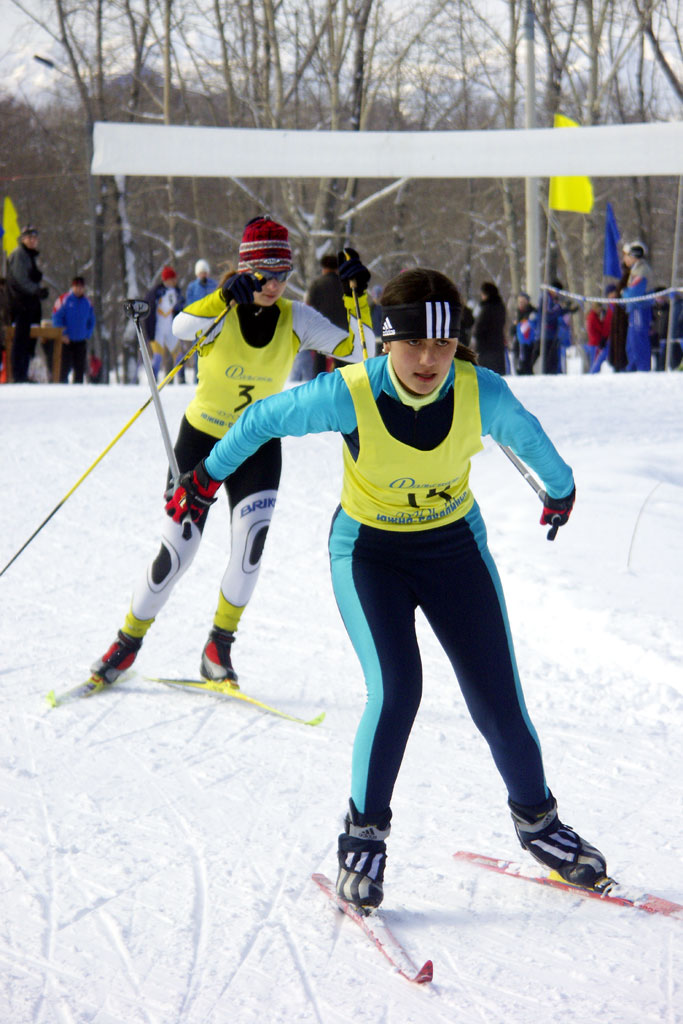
362 856
558 846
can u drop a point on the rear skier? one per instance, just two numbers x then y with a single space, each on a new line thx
249 356
409 534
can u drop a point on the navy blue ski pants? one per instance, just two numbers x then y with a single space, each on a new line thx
380 577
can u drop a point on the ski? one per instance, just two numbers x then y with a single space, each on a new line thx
379 933
95 684
226 690
613 893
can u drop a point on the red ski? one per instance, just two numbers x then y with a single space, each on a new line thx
377 930
614 894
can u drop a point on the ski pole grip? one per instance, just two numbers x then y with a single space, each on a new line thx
552 532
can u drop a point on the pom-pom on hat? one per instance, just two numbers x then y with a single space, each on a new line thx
167 273
265 243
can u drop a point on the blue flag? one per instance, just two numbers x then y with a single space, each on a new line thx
611 263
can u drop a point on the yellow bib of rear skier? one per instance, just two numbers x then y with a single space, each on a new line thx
233 374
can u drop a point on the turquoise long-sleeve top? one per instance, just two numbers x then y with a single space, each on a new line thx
325 404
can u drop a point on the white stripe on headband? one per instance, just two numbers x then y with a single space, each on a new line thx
431 319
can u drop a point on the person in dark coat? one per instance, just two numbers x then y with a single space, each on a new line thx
489 329
619 327
25 294
326 294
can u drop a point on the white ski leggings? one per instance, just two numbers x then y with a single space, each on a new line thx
252 493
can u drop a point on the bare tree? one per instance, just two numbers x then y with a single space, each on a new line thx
669 20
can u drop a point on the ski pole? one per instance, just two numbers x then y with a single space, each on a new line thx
197 345
354 292
534 484
360 322
135 308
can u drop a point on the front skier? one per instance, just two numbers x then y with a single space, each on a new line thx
409 534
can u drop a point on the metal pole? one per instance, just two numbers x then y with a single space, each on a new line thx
533 483
361 330
135 308
201 340
544 294
531 184
674 271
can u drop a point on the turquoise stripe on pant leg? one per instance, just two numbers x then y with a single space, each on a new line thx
476 524
342 540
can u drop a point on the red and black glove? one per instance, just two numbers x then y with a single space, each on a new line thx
556 512
194 493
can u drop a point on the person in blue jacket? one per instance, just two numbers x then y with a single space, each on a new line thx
74 313
638 350
202 285
549 322
409 534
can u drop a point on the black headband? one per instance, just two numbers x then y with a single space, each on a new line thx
432 319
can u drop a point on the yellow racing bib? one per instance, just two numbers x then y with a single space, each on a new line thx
393 486
233 374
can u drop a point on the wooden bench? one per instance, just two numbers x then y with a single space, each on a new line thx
42 334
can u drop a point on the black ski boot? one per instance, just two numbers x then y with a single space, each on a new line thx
362 854
118 658
216 665
558 846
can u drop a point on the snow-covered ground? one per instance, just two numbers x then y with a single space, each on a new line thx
156 846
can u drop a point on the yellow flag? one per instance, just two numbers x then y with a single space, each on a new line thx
572 194
10 226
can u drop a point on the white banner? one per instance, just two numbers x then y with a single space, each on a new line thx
193 151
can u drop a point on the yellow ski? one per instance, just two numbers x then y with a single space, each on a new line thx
226 690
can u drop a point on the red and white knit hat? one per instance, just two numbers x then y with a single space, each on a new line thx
265 243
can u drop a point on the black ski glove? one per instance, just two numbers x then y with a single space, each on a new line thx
240 288
350 270
556 512
194 493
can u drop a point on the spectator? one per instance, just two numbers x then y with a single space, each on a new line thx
466 325
326 294
598 327
25 294
73 312
638 351
619 327
551 313
5 321
165 301
659 330
489 329
202 285
525 330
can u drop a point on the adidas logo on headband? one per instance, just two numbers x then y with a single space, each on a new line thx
432 319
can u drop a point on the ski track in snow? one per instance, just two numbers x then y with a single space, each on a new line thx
156 846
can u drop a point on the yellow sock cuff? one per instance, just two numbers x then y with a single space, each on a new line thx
227 615
136 627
